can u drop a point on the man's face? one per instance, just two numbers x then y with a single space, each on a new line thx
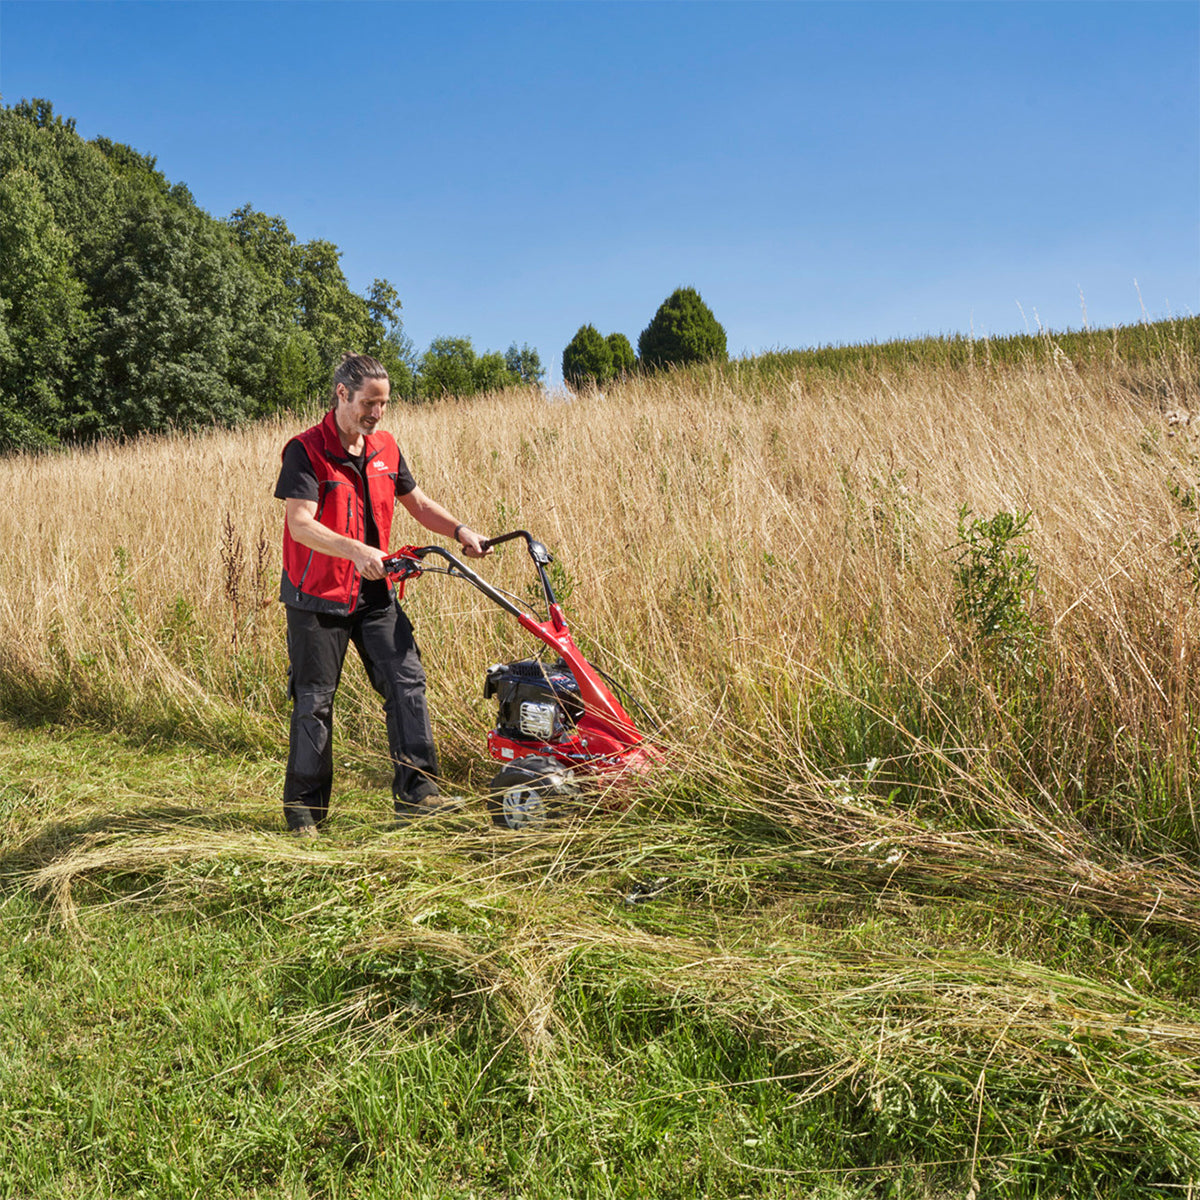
362 411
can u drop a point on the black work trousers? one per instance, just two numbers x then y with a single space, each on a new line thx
317 645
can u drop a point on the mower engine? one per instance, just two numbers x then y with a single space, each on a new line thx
538 704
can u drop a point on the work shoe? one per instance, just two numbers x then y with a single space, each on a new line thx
428 806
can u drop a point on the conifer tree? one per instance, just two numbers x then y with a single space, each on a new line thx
683 330
587 359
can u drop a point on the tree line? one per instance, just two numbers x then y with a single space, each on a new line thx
682 331
126 309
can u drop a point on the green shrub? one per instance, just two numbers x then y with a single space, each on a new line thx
450 367
683 330
492 373
997 583
447 368
623 359
588 359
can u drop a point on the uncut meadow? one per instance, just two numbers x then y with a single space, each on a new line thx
773 570
922 646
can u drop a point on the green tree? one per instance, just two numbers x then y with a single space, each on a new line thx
683 330
336 318
268 244
524 363
447 368
383 309
624 362
295 372
125 307
388 341
179 303
492 374
587 359
283 368
42 318
77 181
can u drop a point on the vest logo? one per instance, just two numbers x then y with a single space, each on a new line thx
379 465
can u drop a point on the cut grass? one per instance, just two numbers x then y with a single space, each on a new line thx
195 1003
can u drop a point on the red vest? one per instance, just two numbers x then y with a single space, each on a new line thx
320 582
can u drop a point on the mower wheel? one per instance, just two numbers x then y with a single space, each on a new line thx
529 791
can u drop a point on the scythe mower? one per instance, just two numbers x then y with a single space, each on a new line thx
559 724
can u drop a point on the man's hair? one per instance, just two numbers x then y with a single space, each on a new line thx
354 370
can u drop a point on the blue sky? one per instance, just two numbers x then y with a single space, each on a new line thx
821 172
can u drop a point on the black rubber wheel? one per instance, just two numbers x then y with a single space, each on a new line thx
530 791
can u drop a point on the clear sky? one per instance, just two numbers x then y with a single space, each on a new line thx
821 172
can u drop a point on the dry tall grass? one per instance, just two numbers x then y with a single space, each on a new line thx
771 568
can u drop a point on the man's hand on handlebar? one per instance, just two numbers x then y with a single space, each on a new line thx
473 546
368 560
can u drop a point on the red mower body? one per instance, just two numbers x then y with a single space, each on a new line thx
556 721
602 738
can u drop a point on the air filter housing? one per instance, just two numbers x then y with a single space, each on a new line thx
536 701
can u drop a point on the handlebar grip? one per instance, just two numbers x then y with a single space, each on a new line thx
488 543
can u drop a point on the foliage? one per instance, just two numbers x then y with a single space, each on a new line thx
450 367
623 360
997 582
492 373
587 359
124 308
524 363
447 368
42 316
388 341
291 366
176 305
682 331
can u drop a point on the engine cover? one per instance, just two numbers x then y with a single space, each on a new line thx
536 702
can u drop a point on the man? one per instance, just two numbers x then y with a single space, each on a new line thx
340 481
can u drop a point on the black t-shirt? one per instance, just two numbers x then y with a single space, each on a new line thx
298 481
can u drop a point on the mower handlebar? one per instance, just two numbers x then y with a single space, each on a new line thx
488 543
399 560
540 555
407 562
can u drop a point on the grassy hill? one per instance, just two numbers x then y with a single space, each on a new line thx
920 627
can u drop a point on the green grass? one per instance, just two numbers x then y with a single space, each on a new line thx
828 1000
1145 352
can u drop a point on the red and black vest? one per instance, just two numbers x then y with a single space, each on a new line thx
320 582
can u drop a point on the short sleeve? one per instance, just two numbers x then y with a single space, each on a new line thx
404 480
297 479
